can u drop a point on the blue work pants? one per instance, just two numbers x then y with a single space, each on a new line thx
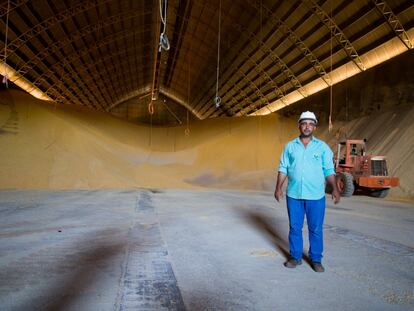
315 213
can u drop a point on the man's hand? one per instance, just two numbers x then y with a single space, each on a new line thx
336 196
278 194
279 184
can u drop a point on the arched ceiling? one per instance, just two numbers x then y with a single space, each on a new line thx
104 53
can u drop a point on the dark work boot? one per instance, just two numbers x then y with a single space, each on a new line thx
317 267
292 263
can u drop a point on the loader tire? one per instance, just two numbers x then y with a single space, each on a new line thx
381 193
345 183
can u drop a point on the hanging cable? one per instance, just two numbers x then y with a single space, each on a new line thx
330 126
261 48
164 43
150 133
259 136
217 99
187 129
6 75
151 108
346 93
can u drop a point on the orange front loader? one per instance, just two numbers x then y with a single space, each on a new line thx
355 169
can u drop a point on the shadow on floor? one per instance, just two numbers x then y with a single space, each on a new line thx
264 225
81 280
270 230
72 276
204 300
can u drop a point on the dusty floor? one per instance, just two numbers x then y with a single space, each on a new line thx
196 250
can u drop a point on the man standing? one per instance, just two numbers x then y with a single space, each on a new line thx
307 162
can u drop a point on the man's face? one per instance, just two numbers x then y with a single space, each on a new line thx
306 128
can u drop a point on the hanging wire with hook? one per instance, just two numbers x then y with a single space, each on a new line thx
6 75
151 107
164 43
151 110
217 99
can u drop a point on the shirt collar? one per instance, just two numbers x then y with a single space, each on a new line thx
314 139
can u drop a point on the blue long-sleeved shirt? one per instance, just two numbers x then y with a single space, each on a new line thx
306 168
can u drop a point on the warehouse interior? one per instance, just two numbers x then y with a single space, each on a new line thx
140 143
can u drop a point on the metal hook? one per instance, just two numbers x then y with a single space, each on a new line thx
217 101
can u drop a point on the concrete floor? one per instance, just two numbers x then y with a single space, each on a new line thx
196 250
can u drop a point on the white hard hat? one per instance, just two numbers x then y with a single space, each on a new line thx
307 115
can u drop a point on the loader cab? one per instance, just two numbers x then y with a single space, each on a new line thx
353 151
348 151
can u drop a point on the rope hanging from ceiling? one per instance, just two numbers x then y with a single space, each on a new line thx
6 75
261 48
164 43
151 112
151 107
187 129
150 132
346 93
330 126
217 99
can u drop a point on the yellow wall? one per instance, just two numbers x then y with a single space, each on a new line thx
44 146
62 147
